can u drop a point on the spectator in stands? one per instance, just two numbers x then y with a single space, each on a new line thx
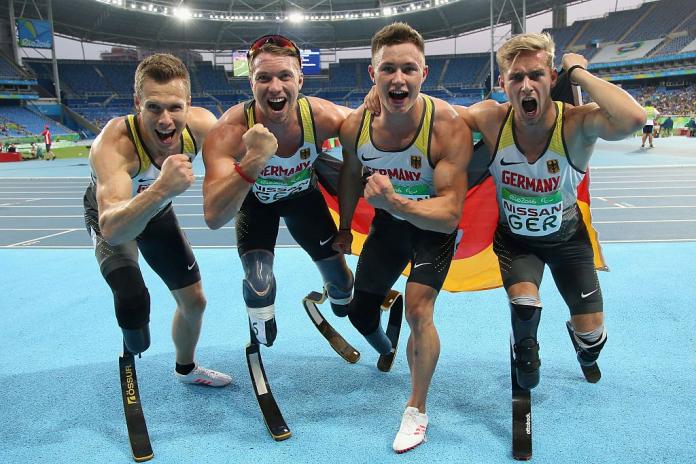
139 163
47 140
652 114
691 125
666 127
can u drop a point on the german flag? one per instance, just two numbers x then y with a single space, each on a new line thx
474 265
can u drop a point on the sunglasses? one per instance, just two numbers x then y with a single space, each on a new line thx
277 40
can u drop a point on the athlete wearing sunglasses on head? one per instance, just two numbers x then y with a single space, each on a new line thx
259 167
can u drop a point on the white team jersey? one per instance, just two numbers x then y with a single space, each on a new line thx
410 170
148 171
536 199
286 177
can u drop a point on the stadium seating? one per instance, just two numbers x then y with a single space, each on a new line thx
7 70
26 122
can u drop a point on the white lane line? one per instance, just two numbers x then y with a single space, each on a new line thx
38 239
84 247
620 206
80 205
656 166
638 176
594 190
45 229
640 222
657 240
592 181
604 197
80 216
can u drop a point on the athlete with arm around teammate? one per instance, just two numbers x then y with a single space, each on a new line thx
416 152
259 167
540 150
139 163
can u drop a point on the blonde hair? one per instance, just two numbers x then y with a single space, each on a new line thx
161 68
395 34
525 43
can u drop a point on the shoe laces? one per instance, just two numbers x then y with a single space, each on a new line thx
410 423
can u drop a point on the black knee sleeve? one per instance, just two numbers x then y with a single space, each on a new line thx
589 349
132 305
525 322
365 312
365 315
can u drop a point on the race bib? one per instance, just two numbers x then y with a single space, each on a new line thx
269 190
533 216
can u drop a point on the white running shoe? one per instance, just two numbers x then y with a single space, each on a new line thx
202 376
412 431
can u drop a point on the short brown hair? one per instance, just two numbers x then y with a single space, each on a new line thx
525 43
395 34
161 68
272 49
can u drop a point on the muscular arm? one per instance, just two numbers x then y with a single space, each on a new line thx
350 185
614 114
328 117
224 189
122 217
453 147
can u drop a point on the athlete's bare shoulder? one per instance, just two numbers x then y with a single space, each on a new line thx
113 148
443 110
225 136
113 138
328 117
200 120
450 132
485 116
351 126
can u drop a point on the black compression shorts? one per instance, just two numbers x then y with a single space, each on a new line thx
162 243
307 218
571 264
392 244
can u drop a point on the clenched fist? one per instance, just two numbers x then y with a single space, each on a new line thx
260 142
378 191
176 175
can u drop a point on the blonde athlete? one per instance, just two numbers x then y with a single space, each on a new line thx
540 150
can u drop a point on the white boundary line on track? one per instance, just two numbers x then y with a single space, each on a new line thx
86 247
39 229
656 166
640 222
40 238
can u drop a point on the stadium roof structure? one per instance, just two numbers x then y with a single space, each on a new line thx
311 23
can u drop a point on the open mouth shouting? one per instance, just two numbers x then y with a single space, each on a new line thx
165 137
530 106
398 95
278 103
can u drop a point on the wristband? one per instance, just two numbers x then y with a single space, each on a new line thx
242 174
570 73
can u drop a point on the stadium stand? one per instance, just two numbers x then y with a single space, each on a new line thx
100 90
